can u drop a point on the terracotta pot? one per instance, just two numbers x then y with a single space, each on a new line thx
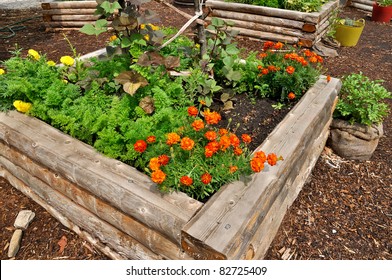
354 141
381 14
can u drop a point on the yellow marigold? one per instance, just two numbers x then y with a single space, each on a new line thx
51 63
2 71
154 164
147 37
158 176
187 144
67 60
34 54
21 106
112 38
172 138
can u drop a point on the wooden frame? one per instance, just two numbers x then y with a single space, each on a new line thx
120 210
273 24
364 5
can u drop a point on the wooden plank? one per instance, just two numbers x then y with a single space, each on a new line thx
362 7
78 17
108 234
26 190
261 10
267 28
144 235
54 24
364 2
266 35
119 184
68 12
69 5
268 20
227 222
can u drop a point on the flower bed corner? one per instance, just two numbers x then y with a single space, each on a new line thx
122 213
275 24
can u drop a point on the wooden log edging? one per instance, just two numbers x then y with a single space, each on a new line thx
121 210
364 5
275 24
69 14
241 220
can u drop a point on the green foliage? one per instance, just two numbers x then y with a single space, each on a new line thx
361 100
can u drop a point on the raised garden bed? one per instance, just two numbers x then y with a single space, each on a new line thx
364 5
275 24
120 210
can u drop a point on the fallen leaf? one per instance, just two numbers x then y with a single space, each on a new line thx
62 243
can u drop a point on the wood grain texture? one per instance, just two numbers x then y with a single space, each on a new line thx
112 181
151 239
26 190
106 233
229 220
69 5
79 11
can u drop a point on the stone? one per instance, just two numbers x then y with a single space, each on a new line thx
324 50
23 219
15 243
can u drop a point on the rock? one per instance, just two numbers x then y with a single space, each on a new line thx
15 243
324 50
23 219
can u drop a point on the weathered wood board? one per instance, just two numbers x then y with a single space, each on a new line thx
273 24
120 210
364 5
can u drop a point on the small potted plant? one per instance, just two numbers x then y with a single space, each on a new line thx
382 11
357 124
348 31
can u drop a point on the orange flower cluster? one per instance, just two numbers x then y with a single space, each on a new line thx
290 70
192 111
172 138
198 125
259 159
246 138
210 135
212 117
151 139
158 176
291 96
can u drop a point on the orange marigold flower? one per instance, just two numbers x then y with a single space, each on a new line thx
272 159
154 164
224 142
212 117
233 169
263 55
234 140
319 59
264 71
238 151
278 46
211 148
261 155
187 144
328 78
308 53
267 45
163 159
291 96
202 102
256 164
313 59
158 176
192 111
210 135
223 131
186 180
246 138
140 146
272 68
172 138
290 69
206 178
151 139
198 125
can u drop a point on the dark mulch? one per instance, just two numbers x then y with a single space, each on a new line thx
343 212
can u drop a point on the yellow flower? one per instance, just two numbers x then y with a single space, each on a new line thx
152 26
65 81
22 106
34 54
51 63
147 37
112 38
67 60
2 71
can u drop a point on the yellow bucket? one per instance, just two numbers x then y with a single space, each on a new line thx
348 36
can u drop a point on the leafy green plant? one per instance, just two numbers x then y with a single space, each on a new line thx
307 6
384 3
361 100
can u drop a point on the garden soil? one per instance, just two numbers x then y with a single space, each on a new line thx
344 211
